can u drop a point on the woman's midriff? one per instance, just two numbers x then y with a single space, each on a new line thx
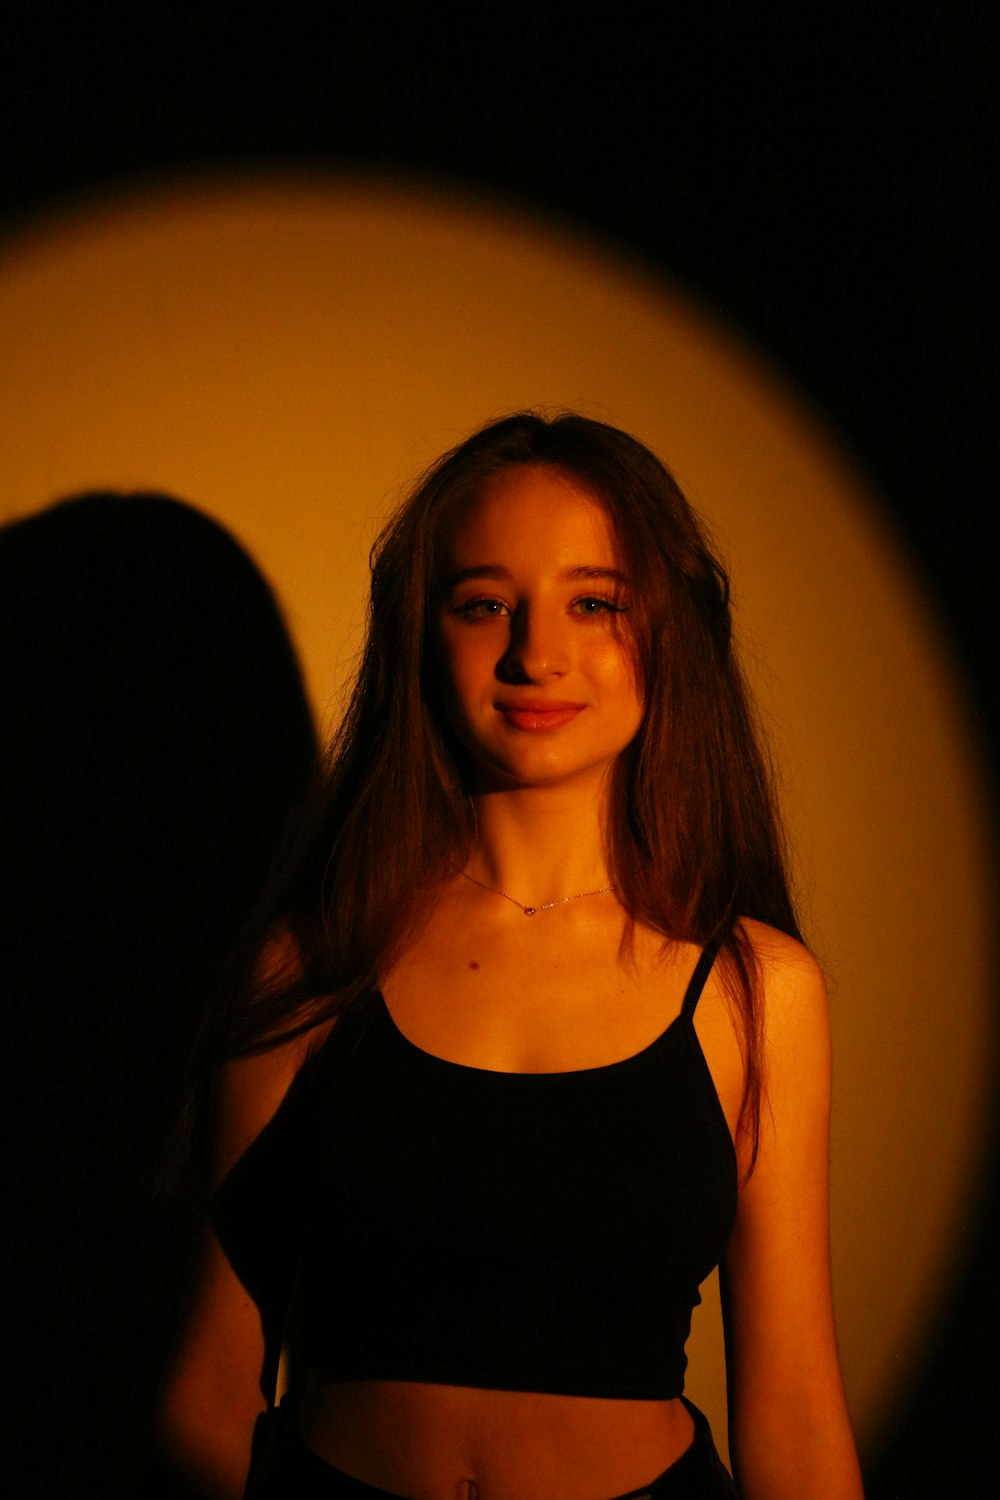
433 1440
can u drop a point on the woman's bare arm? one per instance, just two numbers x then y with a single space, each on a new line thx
213 1395
789 1430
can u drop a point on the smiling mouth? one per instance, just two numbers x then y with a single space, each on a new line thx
534 716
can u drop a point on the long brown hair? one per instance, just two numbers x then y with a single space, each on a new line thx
694 841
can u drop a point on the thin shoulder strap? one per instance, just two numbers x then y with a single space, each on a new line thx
702 970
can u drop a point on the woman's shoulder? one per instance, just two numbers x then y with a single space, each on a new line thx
793 990
777 953
252 1090
253 1087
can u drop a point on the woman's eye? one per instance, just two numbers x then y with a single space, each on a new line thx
481 609
594 604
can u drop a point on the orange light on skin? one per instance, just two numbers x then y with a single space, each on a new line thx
540 684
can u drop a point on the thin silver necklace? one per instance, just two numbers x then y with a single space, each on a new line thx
529 911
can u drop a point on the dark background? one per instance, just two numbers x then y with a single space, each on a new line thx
823 177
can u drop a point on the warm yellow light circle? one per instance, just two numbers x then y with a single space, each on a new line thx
287 352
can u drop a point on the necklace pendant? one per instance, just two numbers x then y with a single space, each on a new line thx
530 911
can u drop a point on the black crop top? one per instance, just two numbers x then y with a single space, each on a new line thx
527 1231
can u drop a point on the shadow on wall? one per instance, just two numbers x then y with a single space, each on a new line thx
155 735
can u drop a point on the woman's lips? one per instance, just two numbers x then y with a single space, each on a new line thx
534 715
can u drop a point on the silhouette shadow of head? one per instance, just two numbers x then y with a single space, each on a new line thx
155 736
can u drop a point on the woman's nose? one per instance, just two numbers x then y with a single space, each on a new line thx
537 647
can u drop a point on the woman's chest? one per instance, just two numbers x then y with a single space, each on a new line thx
552 1002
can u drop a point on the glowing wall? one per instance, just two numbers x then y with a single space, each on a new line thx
287 352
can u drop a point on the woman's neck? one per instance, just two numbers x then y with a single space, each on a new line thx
539 844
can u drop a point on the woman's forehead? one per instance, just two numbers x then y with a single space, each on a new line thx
534 506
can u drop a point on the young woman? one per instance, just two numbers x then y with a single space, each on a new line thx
533 1044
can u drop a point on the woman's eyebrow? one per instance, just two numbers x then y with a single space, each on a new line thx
482 570
582 571
615 575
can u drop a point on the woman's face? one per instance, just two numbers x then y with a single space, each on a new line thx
539 680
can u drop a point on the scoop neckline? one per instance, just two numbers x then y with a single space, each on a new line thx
617 1065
